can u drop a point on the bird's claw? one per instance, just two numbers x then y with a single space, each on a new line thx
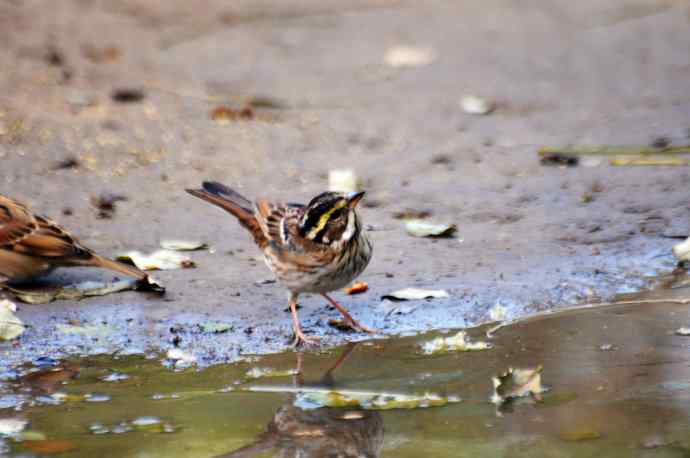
303 339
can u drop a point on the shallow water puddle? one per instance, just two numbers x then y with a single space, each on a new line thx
614 381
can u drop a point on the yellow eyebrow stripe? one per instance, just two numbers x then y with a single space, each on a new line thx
324 219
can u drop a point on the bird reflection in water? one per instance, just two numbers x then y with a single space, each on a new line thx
319 433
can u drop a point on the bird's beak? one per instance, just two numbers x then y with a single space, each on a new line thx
353 198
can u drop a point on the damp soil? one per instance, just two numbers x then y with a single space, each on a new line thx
614 382
123 99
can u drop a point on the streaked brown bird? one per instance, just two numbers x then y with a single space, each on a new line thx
32 245
313 248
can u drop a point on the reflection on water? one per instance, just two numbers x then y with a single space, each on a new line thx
619 379
323 432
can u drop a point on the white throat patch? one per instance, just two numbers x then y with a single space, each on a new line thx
351 226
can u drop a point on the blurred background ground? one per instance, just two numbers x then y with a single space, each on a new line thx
529 237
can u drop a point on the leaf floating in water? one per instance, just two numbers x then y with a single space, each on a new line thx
357 288
408 294
50 446
158 260
423 228
458 342
12 426
517 383
11 326
262 372
315 398
82 290
370 401
183 245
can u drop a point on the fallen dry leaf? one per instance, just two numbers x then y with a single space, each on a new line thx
424 228
683 331
158 260
11 326
340 325
128 95
409 56
183 245
471 104
358 288
407 294
224 115
85 289
343 180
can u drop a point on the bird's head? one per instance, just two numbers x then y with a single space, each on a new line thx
330 217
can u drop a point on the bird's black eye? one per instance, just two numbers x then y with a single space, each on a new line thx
337 214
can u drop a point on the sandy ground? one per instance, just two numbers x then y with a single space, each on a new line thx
529 237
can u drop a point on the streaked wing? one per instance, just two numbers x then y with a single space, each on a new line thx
32 235
280 223
16 221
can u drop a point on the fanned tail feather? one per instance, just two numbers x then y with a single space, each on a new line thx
234 203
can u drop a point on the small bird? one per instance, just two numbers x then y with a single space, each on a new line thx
32 245
313 248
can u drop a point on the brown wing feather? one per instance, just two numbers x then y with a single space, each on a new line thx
16 221
270 217
49 240
32 235
280 223
28 239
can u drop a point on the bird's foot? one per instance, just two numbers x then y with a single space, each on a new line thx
360 327
302 339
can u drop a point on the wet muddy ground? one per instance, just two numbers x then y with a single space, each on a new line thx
116 98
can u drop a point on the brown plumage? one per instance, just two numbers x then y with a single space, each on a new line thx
31 245
313 248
